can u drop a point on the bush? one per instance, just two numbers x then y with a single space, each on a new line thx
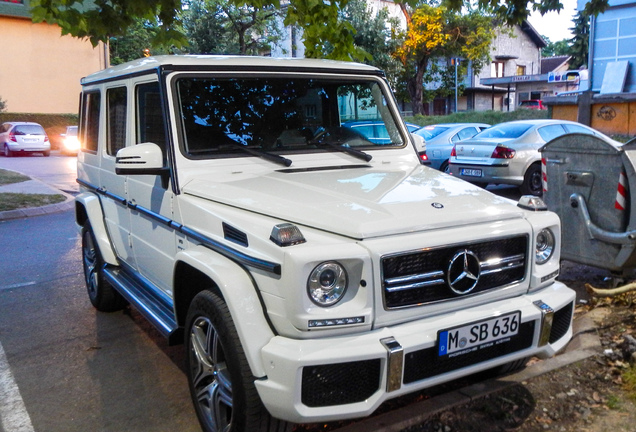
3 105
490 117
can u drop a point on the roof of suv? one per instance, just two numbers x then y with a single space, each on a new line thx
226 63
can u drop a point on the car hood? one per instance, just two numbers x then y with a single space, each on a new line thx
358 202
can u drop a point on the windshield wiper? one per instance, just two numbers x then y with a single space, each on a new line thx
353 152
263 155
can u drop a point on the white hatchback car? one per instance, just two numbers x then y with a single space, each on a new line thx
23 137
508 153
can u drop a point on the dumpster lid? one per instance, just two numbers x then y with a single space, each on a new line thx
584 143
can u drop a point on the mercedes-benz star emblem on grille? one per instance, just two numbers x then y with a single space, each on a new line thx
463 272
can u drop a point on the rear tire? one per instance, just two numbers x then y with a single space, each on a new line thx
47 153
221 382
101 294
532 184
8 152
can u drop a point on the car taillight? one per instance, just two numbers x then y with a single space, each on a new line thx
501 152
423 157
12 137
46 138
453 152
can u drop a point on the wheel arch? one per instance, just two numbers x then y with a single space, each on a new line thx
88 207
199 268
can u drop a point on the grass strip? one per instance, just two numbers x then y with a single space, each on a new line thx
14 201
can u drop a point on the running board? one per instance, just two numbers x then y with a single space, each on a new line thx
148 300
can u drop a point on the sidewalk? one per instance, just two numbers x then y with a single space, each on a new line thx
35 187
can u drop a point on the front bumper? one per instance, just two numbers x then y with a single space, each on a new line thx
346 377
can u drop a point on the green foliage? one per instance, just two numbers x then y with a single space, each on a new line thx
490 117
9 177
579 49
559 48
141 36
3 105
325 35
378 35
222 27
14 201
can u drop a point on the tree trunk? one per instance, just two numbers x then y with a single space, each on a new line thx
416 87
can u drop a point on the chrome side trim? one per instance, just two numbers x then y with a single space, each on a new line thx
214 245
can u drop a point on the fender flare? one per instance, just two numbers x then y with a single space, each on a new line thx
93 208
241 295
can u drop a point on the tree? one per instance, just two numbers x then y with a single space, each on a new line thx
377 35
440 33
134 44
579 49
3 105
99 20
221 27
559 48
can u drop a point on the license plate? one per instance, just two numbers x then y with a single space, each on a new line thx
469 172
478 335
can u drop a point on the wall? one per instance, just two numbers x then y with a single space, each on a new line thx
40 70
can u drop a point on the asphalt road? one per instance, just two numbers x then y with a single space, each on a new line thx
64 366
57 170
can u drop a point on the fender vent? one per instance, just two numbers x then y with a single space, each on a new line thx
234 235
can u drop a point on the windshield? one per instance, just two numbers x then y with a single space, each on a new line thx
429 132
504 130
225 116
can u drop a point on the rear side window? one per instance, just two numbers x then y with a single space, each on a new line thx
150 124
90 121
573 128
116 98
550 132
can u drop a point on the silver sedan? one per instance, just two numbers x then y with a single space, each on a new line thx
508 153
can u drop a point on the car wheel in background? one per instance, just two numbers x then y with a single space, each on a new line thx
7 151
444 167
532 184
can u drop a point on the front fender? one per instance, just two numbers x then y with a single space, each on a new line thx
241 296
93 209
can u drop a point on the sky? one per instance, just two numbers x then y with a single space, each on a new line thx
555 26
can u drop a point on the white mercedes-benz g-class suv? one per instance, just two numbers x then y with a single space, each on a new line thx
312 268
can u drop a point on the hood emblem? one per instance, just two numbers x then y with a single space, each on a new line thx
437 205
463 272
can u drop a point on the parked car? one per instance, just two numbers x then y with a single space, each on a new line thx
533 104
508 153
440 139
22 138
375 131
70 143
311 273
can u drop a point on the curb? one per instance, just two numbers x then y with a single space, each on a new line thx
584 343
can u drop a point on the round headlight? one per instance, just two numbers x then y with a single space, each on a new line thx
327 284
545 246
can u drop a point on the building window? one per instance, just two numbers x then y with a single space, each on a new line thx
496 69
521 70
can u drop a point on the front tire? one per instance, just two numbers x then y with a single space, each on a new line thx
221 383
101 294
532 184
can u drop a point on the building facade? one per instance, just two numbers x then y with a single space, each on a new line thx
40 69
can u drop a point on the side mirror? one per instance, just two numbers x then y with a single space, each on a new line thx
141 159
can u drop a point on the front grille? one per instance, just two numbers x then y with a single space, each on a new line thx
421 277
561 323
426 363
340 383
